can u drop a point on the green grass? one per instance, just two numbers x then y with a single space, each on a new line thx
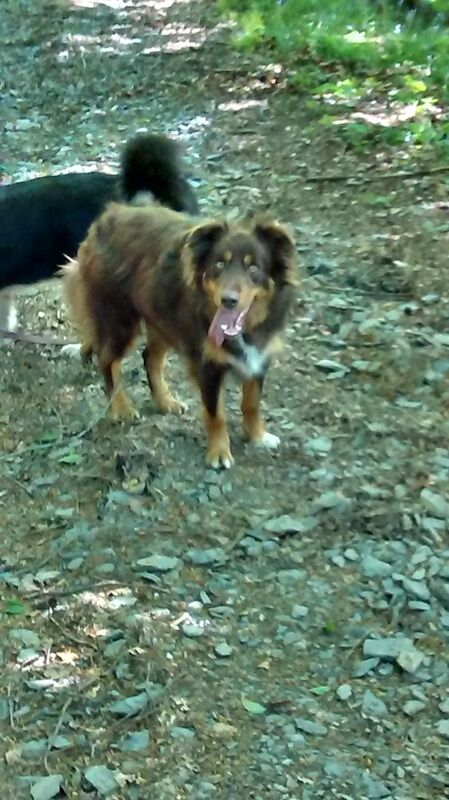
353 50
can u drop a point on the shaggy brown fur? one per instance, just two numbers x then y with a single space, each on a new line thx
181 277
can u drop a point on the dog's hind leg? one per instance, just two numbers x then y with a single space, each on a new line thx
252 421
120 406
154 359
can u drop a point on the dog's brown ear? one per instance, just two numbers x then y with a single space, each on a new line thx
279 244
198 244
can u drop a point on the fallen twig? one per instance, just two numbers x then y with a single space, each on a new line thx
45 599
10 708
377 176
52 738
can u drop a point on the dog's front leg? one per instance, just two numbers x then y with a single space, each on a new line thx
210 380
252 421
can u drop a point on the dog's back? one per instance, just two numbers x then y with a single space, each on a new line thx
44 220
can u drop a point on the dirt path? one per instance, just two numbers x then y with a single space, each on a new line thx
261 658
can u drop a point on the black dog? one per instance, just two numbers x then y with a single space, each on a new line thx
44 220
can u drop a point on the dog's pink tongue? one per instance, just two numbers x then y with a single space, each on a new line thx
227 322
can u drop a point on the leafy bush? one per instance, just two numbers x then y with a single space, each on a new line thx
403 43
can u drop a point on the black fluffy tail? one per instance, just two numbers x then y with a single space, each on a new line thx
152 163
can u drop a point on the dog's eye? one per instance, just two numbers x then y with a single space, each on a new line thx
253 270
219 266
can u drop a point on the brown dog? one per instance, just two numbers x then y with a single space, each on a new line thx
216 292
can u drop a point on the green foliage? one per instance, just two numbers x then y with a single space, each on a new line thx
350 50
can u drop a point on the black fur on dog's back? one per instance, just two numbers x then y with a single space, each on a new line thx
43 220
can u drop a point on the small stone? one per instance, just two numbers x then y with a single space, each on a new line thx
288 576
46 788
159 563
421 555
311 727
350 554
375 789
192 630
338 560
441 591
387 648
375 568
430 299
344 692
223 649
288 524
443 727
363 667
102 779
112 649
418 605
418 589
75 564
444 706
413 707
373 706
326 365
178 732
213 555
133 742
299 612
410 659
435 504
320 444
329 500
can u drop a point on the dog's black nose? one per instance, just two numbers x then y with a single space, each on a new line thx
229 300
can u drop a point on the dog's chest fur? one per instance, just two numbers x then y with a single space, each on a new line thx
246 359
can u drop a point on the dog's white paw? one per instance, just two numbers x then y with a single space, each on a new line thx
219 457
71 350
268 440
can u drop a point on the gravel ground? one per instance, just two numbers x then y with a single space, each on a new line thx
280 630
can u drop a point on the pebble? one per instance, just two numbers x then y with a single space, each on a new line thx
375 789
418 605
223 649
413 707
435 504
178 732
311 727
421 554
329 500
387 648
444 706
299 612
192 630
344 692
375 568
443 727
288 576
373 706
410 660
363 667
418 589
212 555
320 444
159 563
